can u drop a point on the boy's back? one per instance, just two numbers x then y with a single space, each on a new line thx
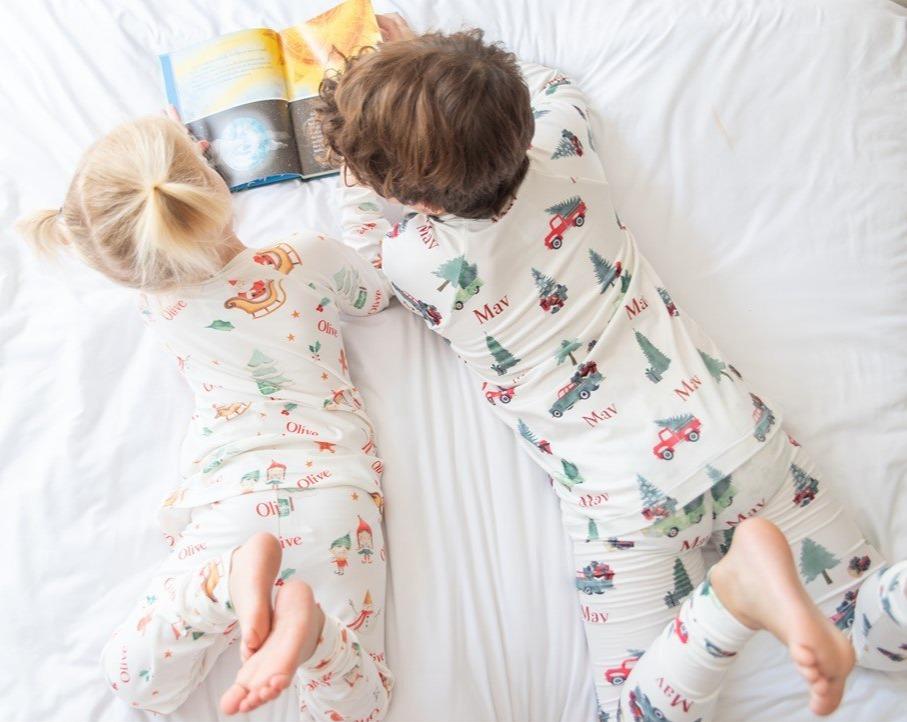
577 345
658 447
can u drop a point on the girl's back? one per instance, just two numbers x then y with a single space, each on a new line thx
261 347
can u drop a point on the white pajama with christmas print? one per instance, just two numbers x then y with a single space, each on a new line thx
279 442
579 347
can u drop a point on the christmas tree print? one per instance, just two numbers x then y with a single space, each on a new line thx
654 502
625 279
566 349
552 294
219 325
457 271
668 302
715 367
571 476
867 625
450 271
604 271
675 423
682 585
314 348
815 559
727 536
268 379
569 145
658 362
564 215
552 85
504 360
805 486
527 434
893 656
592 531
722 490
565 207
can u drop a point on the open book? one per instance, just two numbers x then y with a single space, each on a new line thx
251 93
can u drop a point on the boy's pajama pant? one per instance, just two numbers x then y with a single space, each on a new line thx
331 539
659 638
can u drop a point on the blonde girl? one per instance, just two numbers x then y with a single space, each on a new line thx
260 505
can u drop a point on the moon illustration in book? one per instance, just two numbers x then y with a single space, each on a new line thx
244 143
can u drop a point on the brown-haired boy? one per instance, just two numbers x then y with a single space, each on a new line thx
515 255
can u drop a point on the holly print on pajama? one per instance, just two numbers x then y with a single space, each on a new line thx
279 443
615 392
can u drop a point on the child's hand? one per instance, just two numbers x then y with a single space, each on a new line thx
172 113
394 27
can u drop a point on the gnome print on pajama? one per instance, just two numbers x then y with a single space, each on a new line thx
279 443
634 413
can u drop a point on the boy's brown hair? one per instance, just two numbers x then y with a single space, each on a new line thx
440 120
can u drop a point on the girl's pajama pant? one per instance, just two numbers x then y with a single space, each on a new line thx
647 592
331 539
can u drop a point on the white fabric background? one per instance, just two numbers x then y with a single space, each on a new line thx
758 148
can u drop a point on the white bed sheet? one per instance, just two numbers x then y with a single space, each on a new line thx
757 147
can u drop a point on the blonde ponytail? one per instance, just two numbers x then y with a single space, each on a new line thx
144 208
43 230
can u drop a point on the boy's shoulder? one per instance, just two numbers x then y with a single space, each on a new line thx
417 226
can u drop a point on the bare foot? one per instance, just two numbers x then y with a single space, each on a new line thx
298 622
252 572
758 583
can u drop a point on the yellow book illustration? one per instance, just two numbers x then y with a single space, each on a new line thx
251 93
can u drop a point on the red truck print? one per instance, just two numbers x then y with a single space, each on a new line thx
674 431
804 496
498 393
763 418
843 616
618 675
552 303
859 565
428 312
573 140
680 629
655 513
571 212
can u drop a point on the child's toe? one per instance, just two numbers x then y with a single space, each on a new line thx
231 699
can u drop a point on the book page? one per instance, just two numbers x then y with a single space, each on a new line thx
319 44
310 49
232 92
225 72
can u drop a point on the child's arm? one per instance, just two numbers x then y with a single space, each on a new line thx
364 226
355 285
356 279
563 131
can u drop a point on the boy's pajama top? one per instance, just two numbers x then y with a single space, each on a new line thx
635 414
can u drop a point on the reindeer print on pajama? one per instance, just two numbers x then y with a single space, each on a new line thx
638 418
279 443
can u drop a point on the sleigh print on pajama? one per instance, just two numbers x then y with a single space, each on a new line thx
279 443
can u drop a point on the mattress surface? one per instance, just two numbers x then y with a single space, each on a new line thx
757 148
